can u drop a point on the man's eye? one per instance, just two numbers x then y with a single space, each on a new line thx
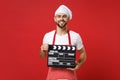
64 16
58 16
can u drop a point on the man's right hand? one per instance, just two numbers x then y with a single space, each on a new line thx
44 50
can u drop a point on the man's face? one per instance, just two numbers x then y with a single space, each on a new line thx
61 20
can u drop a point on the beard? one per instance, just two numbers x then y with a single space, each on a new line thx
61 24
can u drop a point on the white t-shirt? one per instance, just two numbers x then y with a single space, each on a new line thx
63 40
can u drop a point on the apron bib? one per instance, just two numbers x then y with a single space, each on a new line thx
61 73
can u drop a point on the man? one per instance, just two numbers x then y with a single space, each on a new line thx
63 36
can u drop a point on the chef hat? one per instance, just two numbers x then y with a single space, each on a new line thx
64 9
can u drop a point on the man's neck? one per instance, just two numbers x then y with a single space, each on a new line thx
61 31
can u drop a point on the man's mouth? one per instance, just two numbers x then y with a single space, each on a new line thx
61 22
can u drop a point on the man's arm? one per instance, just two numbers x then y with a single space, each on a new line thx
81 60
43 50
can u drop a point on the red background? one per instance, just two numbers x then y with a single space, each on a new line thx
23 24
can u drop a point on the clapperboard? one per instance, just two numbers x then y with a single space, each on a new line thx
61 56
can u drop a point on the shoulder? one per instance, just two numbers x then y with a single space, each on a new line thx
50 33
74 33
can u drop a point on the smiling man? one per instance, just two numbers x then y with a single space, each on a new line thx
62 36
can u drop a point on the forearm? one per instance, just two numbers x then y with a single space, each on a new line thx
82 59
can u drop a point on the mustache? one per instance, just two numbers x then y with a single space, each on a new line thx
61 20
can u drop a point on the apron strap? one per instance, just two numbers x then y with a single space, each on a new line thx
69 39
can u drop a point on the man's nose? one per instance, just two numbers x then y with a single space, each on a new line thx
61 18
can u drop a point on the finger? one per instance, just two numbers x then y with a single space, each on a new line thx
42 48
71 69
76 62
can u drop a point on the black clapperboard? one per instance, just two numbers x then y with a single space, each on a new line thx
62 56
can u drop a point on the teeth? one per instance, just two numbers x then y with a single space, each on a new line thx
61 22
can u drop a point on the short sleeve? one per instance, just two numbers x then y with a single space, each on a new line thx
45 40
79 43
